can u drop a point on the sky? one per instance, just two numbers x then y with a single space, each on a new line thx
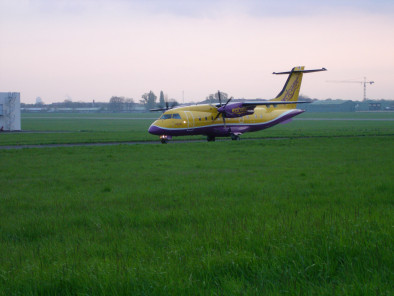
87 50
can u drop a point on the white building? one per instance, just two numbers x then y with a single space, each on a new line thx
10 111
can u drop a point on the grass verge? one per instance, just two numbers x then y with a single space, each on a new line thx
301 216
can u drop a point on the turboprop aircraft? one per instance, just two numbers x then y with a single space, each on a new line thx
232 119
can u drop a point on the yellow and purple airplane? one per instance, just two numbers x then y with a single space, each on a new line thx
236 118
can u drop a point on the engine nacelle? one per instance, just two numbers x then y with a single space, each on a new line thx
236 110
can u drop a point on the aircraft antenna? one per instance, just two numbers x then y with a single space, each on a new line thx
364 83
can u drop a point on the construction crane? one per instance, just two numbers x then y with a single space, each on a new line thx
365 82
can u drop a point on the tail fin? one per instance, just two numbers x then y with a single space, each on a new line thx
291 89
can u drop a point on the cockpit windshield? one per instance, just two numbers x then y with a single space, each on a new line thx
169 116
166 116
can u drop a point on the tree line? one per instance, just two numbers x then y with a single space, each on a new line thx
148 100
115 104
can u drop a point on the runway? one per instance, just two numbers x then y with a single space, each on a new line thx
19 147
347 119
153 119
91 118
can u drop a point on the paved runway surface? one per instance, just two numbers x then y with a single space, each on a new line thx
172 142
150 118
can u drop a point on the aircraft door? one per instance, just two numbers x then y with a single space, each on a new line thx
190 119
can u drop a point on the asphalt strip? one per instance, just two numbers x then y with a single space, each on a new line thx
11 147
153 119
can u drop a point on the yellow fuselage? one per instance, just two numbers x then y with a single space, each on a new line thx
200 119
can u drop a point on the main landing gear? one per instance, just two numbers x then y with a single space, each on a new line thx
210 138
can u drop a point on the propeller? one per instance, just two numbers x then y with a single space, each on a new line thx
167 107
221 109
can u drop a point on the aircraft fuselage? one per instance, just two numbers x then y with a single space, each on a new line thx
200 120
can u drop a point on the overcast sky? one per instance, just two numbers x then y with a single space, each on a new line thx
91 50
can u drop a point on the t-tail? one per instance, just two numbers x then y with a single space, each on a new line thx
291 89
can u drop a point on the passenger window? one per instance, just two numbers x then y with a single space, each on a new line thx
176 116
206 118
199 118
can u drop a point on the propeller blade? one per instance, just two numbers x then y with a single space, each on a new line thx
228 101
223 111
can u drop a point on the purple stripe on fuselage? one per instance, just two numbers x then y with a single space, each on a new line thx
220 130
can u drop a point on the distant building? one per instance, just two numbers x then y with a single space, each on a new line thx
374 106
10 111
330 106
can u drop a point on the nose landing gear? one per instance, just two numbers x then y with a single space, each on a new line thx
164 139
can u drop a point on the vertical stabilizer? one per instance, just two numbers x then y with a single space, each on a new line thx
291 89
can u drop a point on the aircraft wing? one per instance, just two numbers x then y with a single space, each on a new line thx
252 105
265 103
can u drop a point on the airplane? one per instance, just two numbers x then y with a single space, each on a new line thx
232 119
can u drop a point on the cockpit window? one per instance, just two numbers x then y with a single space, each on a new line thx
166 116
169 116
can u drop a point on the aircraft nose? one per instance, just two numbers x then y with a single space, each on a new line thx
154 130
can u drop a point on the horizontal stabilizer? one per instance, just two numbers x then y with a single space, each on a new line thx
300 71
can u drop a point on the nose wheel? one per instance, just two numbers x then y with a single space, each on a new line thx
164 139
210 138
235 137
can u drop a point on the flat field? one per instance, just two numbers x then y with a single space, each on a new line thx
52 128
265 217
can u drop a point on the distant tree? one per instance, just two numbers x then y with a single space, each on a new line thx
214 98
68 103
172 103
210 99
162 102
149 100
129 102
116 104
39 101
223 96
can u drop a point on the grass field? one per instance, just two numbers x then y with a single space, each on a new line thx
302 216
47 128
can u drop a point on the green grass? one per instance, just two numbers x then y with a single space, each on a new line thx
91 128
353 115
284 217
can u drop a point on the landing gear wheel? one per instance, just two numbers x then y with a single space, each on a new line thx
235 137
210 138
164 139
